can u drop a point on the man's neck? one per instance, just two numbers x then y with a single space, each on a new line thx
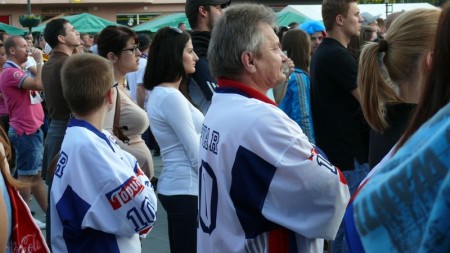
15 61
339 36
64 49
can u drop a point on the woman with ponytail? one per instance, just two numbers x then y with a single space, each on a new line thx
389 77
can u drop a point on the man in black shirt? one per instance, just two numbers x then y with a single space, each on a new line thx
338 120
202 15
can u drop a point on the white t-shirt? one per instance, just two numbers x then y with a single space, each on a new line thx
260 175
133 78
176 125
100 199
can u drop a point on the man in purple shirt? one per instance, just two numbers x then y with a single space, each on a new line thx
21 94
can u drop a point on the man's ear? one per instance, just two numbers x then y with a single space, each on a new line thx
61 39
112 57
248 61
110 99
12 50
339 20
202 11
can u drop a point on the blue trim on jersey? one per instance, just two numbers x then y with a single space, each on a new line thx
11 64
251 177
72 209
73 122
231 91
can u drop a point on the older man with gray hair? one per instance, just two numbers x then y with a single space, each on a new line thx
262 185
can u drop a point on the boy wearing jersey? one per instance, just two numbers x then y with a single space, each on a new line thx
263 187
100 200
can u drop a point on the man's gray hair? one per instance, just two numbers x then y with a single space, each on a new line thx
237 31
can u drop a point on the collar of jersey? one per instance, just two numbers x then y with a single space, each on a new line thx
73 122
11 64
230 86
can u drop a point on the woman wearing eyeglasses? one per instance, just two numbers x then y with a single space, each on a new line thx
127 121
176 125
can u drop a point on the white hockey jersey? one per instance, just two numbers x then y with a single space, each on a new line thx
100 199
263 186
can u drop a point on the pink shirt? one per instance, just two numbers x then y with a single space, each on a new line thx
24 116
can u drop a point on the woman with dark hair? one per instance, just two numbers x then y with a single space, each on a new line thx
413 188
296 102
176 125
127 121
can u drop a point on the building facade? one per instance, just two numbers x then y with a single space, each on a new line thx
126 12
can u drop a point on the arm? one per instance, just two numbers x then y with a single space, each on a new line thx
179 117
306 180
140 95
121 200
36 83
305 193
304 106
279 91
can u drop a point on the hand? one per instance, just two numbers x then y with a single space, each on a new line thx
290 64
36 54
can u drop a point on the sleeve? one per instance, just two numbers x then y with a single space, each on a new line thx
124 203
204 79
178 115
304 106
306 193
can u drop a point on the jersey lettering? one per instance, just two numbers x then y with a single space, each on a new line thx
208 197
62 162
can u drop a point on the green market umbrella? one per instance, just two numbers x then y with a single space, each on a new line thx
289 15
161 21
83 23
11 29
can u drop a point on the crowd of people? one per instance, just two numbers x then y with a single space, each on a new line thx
331 134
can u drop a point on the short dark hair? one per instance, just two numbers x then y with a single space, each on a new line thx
144 41
114 39
53 29
165 58
2 34
332 8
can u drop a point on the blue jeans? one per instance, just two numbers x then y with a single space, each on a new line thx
29 149
353 178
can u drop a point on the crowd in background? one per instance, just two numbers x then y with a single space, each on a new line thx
330 135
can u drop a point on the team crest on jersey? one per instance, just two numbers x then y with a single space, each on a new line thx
17 75
124 193
62 162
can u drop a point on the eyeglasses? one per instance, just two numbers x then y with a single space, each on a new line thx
133 50
115 85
